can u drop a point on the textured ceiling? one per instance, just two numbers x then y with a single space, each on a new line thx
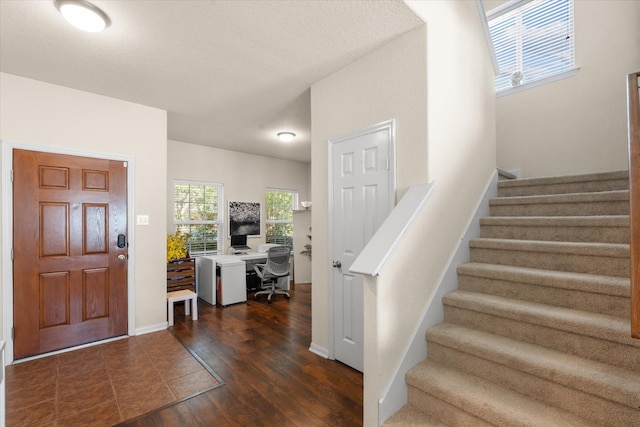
230 73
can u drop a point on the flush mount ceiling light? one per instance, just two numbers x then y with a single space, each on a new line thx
83 15
286 136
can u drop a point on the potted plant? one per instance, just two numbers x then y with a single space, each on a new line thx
177 246
307 247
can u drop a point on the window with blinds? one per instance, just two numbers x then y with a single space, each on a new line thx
197 211
532 41
279 207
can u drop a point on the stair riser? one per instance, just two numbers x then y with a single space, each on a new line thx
410 416
564 188
577 402
557 234
417 423
592 348
443 411
576 263
614 207
586 301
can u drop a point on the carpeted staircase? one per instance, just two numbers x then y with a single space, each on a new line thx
537 333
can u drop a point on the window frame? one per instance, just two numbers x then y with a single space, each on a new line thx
219 222
518 7
275 222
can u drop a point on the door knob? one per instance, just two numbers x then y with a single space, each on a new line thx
121 257
337 264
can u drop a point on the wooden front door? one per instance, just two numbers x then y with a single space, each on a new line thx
70 251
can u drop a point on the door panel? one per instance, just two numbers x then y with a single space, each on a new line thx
54 299
95 294
68 212
362 182
96 229
54 229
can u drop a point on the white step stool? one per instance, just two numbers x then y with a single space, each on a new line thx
183 295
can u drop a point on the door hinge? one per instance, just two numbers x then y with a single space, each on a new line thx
125 164
13 333
11 175
12 254
388 163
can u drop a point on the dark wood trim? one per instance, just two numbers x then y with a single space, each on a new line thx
633 105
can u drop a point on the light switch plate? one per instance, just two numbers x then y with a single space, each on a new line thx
142 219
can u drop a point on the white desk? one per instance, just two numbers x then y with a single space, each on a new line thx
232 288
233 279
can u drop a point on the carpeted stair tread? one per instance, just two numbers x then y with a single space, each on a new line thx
485 400
622 174
599 379
600 326
559 221
602 229
590 293
410 416
573 204
600 181
609 259
602 196
606 285
614 250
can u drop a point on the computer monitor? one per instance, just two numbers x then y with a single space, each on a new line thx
239 241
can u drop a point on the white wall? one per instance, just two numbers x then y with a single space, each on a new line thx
301 229
437 81
577 125
245 177
58 118
389 83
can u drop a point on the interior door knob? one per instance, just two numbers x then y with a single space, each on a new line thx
122 257
337 264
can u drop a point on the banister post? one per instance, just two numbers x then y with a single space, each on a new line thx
633 111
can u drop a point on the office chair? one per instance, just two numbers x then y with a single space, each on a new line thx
277 266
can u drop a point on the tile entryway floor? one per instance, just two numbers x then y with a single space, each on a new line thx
104 384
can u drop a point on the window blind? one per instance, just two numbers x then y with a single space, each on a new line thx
279 208
197 211
533 41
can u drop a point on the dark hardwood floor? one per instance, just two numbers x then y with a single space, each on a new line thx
261 352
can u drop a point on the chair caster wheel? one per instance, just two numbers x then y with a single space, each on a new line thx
287 297
269 301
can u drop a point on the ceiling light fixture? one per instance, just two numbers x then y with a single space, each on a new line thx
286 136
83 15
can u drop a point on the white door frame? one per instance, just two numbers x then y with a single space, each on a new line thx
391 126
7 234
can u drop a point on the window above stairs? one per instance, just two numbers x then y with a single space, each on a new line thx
533 43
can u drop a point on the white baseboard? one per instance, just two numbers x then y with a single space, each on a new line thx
153 328
515 172
319 350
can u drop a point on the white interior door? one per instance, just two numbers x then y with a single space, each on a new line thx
363 194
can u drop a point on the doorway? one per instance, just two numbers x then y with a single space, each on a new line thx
70 246
362 193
